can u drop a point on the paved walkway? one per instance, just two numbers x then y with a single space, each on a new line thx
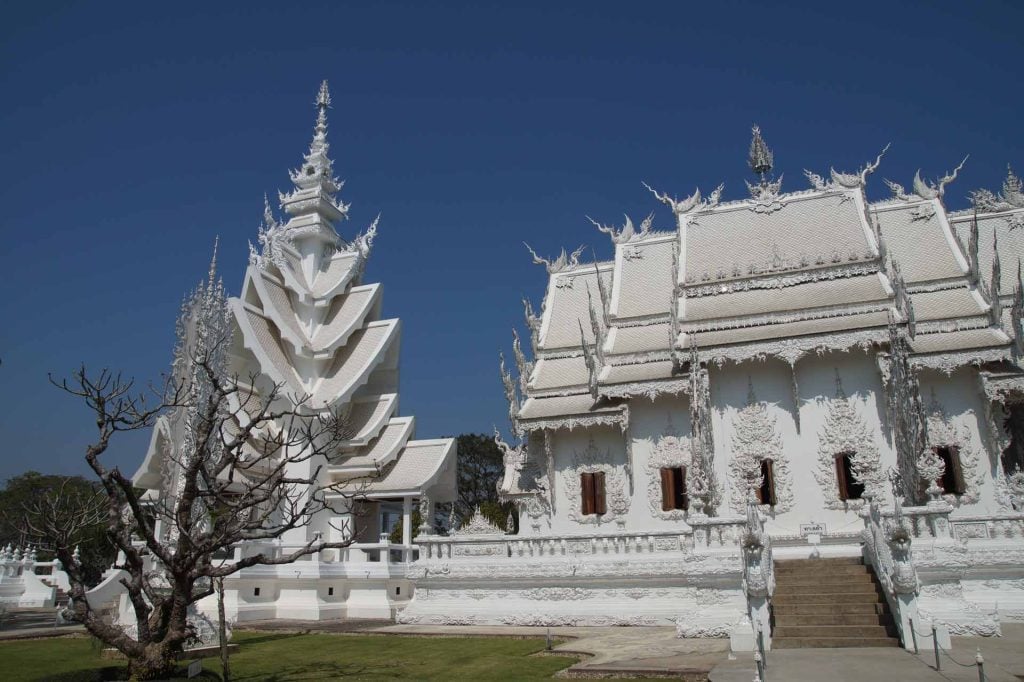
25 623
1003 656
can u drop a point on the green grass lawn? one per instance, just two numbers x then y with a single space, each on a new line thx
281 656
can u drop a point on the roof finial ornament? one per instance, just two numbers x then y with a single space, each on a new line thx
760 158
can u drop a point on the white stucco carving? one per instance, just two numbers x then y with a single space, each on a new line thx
755 439
671 450
588 461
844 430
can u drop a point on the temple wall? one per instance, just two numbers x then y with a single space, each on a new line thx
960 396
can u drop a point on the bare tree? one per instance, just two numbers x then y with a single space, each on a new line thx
236 485
242 467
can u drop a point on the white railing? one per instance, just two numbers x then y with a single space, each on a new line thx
702 536
887 548
935 522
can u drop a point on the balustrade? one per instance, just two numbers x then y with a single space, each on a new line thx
705 535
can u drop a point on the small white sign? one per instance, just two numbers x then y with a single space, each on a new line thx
195 669
812 529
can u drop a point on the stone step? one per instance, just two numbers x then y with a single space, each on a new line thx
823 586
803 608
812 570
831 631
832 642
800 619
826 598
829 561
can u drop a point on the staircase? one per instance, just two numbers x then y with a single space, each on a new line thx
829 603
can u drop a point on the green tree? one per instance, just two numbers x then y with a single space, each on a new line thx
480 467
24 492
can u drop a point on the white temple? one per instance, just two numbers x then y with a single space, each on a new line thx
307 322
751 386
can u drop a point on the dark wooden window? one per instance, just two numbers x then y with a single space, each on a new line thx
766 493
592 487
849 487
673 489
953 477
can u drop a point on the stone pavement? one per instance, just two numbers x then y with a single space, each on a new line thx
1003 656
25 623
618 651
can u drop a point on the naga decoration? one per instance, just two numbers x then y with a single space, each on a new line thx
906 414
860 178
972 251
591 362
1017 314
1011 197
903 301
597 328
627 233
690 204
602 293
362 244
844 431
533 324
523 366
702 439
923 189
510 394
995 312
673 327
846 180
756 439
271 235
563 262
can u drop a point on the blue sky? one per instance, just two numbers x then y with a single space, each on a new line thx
131 135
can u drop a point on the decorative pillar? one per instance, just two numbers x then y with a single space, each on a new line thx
406 526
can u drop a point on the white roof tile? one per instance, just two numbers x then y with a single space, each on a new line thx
552 373
382 449
648 371
736 237
789 329
949 303
967 338
567 307
417 466
839 291
540 408
917 241
643 278
652 337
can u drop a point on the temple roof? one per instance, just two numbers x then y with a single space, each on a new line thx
781 274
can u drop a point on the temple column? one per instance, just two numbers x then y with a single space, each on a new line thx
406 526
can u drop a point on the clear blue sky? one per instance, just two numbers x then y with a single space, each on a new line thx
131 135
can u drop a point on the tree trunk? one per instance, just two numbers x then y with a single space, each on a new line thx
223 633
158 662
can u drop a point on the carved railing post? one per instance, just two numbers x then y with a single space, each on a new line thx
758 570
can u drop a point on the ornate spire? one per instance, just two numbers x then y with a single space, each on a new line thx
760 157
315 184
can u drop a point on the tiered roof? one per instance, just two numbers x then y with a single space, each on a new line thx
776 274
307 322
